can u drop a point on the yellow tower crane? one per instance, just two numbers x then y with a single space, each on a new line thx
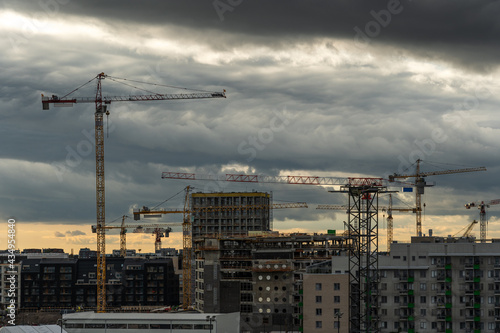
420 185
101 107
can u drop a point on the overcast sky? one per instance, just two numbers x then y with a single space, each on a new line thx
327 88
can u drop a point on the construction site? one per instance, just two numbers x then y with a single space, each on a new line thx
233 261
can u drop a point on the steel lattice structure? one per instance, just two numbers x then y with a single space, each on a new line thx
363 256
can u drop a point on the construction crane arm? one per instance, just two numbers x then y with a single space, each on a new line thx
303 180
468 229
435 173
131 98
146 211
129 226
383 208
479 203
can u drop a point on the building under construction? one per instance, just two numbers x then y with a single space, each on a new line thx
261 275
245 212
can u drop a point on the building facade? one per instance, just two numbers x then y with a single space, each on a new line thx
432 284
262 276
72 283
230 213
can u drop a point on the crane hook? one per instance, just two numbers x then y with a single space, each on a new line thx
107 123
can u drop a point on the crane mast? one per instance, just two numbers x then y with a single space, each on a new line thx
187 253
100 197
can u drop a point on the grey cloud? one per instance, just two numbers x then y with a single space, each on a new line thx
461 32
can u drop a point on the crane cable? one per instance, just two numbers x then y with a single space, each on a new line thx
160 85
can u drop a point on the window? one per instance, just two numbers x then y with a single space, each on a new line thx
423 286
318 286
319 324
396 299
319 312
383 286
423 274
396 324
336 299
384 312
336 325
383 299
318 299
335 311
423 299
423 312
423 324
336 286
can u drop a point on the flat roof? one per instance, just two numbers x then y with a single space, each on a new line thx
140 316
32 329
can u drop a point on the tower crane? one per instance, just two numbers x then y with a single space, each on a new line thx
482 215
159 230
363 230
187 241
101 107
420 185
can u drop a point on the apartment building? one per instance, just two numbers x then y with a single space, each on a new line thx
70 283
433 284
326 298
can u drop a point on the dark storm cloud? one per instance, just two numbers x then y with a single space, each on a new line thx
319 106
461 32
